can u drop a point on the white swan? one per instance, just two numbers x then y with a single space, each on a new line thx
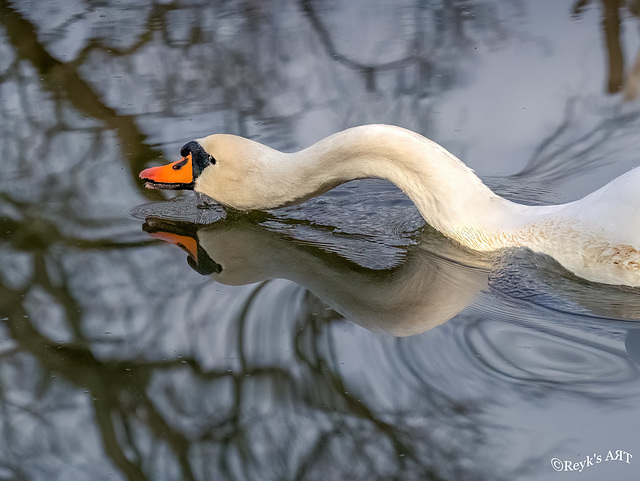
597 237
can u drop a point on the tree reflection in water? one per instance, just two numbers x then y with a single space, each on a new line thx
242 417
112 366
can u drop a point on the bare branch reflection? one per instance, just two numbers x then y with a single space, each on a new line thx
611 26
119 362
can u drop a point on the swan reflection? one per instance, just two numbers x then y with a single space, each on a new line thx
430 282
431 285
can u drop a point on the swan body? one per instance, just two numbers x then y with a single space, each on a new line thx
596 237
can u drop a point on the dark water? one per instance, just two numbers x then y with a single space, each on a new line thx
337 339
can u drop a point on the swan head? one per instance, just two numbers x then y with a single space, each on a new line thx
182 174
232 170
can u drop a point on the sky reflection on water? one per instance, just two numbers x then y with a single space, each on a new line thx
119 361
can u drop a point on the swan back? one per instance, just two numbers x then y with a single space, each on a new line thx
613 209
598 236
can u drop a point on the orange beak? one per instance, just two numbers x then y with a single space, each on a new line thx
178 175
186 243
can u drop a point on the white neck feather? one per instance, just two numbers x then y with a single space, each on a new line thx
450 197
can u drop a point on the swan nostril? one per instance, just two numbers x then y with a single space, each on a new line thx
179 165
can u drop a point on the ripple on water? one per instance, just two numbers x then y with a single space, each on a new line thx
563 358
186 208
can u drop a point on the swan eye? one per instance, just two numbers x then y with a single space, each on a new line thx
212 160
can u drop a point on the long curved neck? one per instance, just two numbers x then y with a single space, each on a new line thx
450 197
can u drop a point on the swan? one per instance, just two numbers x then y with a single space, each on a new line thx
597 237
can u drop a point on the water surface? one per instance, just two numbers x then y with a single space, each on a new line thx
154 335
